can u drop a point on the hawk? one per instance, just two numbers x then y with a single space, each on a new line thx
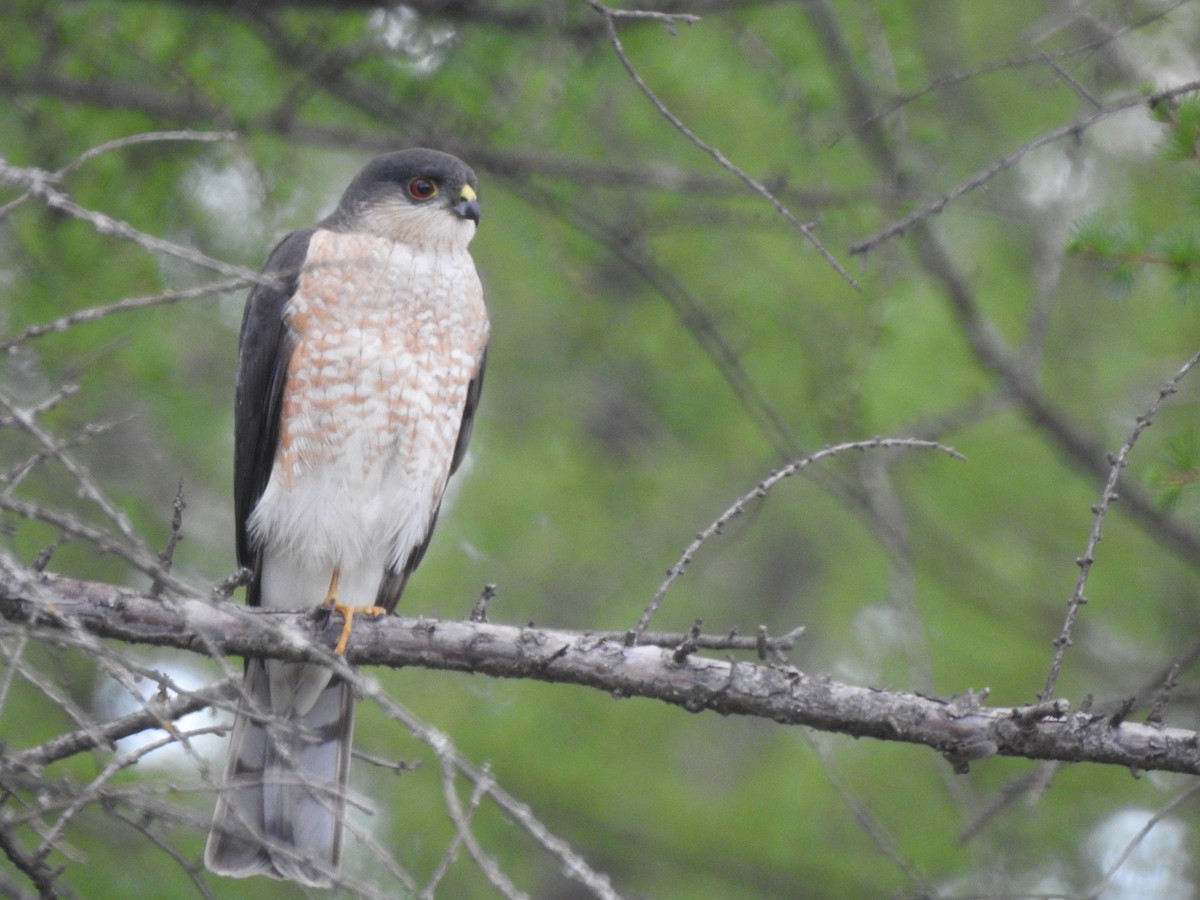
359 371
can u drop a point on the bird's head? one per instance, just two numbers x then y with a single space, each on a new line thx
420 197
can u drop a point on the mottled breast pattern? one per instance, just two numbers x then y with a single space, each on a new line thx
386 338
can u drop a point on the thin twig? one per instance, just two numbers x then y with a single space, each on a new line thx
103 541
692 315
874 828
88 486
1006 162
1074 82
40 875
1103 884
760 490
167 557
1078 444
573 865
153 715
951 79
141 824
653 16
44 405
94 313
146 137
487 865
758 187
1107 496
1162 700
40 184
758 643
13 478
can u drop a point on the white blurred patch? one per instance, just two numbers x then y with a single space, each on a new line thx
112 701
1129 135
1051 177
230 197
226 200
1167 55
1157 867
881 632
422 48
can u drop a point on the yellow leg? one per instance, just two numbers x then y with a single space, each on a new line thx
331 594
348 612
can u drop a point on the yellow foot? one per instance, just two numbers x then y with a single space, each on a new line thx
348 612
331 594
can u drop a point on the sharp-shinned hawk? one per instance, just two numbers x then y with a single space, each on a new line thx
359 373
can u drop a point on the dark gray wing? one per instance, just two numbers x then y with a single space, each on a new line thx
264 349
392 584
474 389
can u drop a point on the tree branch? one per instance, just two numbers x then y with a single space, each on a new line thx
184 109
1071 129
960 727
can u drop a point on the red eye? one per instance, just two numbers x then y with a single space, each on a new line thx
421 189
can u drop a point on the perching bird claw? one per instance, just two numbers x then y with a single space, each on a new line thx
348 613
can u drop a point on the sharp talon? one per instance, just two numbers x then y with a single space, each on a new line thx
348 613
344 638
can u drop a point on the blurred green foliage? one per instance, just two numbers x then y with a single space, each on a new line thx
620 262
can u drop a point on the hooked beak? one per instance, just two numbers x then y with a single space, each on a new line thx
468 206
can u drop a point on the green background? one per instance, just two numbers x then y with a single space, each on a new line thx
662 340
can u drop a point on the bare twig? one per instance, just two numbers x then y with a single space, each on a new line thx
1015 62
1077 444
696 319
13 477
806 229
40 875
760 490
650 15
990 171
89 488
94 313
1163 699
167 557
47 403
1102 885
1107 496
103 541
876 830
151 716
451 853
141 824
40 184
479 612
146 137
760 643
573 865
1070 79
462 825
93 790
